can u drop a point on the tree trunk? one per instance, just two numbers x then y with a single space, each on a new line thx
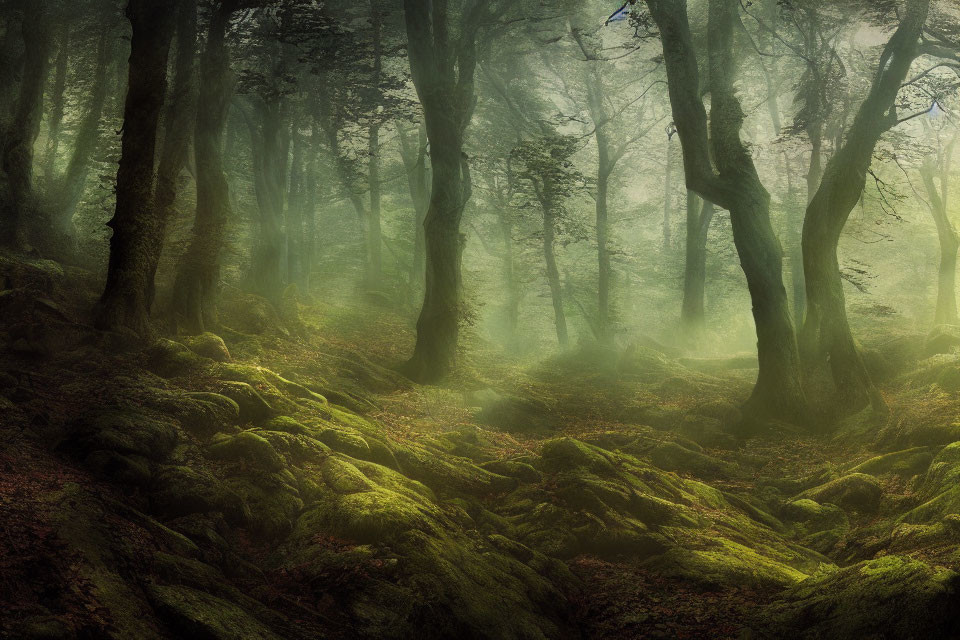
415 163
946 309
56 107
443 72
733 185
553 275
692 314
124 303
604 330
17 198
295 213
668 191
374 232
269 142
198 272
826 340
176 139
68 190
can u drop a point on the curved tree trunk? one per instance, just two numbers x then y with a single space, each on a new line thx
124 303
198 272
826 340
17 198
734 185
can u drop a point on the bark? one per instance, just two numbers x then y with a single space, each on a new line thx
295 214
932 173
198 272
415 163
692 314
826 340
794 224
124 303
57 105
668 191
553 274
373 227
177 134
443 73
17 198
69 187
734 186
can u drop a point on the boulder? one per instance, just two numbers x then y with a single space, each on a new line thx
857 492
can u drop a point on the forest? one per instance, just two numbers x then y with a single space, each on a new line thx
479 319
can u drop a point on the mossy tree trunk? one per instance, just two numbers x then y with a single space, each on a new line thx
198 271
550 261
934 172
826 340
443 72
17 197
180 113
719 167
415 163
136 228
692 313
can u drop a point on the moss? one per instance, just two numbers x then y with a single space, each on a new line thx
132 470
124 432
296 448
906 463
170 359
376 515
208 345
204 414
345 441
725 563
180 490
448 474
566 453
670 456
519 470
195 614
855 492
252 406
890 597
343 477
286 424
274 504
246 447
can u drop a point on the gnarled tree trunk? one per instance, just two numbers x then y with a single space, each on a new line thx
692 314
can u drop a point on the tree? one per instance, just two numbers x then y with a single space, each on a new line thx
125 300
443 58
825 339
935 172
719 167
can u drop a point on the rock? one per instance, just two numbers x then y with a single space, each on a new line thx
274 504
346 441
123 432
944 338
565 454
180 491
889 597
285 424
248 447
208 345
671 456
169 359
252 406
855 492
519 470
204 414
251 313
195 614
906 463
132 470
450 474
510 413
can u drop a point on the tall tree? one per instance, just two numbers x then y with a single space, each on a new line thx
935 172
198 272
826 340
719 167
692 313
443 58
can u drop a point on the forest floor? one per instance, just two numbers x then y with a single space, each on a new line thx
280 480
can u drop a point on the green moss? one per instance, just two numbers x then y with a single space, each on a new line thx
890 597
180 490
855 492
125 432
195 614
725 563
519 470
274 504
448 474
566 453
906 463
670 456
343 477
208 345
170 359
246 447
204 414
286 424
346 441
297 448
252 406
367 516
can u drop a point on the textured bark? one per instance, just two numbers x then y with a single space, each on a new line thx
668 192
198 272
56 105
939 199
17 198
124 303
826 340
294 218
792 236
733 185
373 227
692 314
180 112
68 188
443 73
553 274
415 163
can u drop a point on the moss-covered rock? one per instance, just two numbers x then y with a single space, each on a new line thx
247 447
671 456
125 432
448 474
906 463
130 470
196 614
179 491
566 453
274 503
252 406
890 597
204 414
169 359
724 562
512 469
346 441
208 345
855 492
